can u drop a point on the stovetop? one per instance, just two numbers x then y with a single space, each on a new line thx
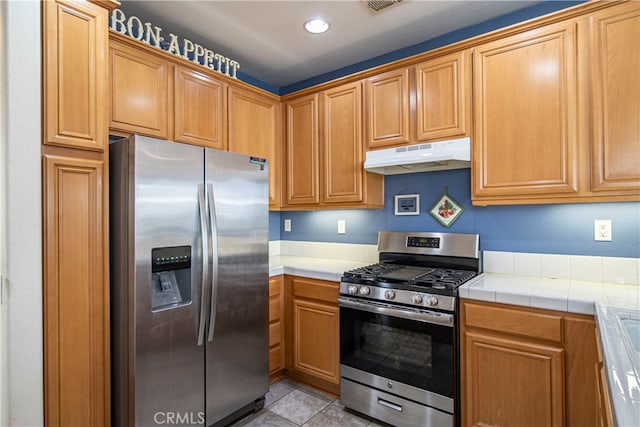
415 277
417 269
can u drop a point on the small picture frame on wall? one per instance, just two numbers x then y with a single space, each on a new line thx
446 210
407 204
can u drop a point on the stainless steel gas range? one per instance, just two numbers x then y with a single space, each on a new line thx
398 328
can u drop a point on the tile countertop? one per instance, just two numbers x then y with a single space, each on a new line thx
621 351
607 301
314 268
572 296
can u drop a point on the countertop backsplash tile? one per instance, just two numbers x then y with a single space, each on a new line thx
526 264
620 270
498 262
365 254
565 267
554 266
586 268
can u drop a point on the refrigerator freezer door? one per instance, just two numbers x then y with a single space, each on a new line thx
169 365
237 367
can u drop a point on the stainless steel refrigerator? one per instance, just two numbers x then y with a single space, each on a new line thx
189 283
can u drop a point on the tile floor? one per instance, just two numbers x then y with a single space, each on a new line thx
288 404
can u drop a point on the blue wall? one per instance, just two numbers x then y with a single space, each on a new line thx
557 229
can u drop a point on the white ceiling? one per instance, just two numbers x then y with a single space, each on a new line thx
267 39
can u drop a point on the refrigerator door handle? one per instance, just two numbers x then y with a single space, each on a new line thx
214 257
205 263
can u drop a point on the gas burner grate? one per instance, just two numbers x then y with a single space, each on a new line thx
441 278
371 272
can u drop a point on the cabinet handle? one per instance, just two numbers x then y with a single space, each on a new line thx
390 405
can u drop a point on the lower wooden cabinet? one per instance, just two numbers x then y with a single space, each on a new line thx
312 332
76 290
276 345
603 402
513 382
526 367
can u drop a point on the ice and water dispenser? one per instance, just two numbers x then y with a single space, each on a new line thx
171 277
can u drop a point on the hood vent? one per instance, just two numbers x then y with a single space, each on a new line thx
443 155
376 6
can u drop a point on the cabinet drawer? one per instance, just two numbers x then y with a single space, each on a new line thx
324 291
274 287
275 359
517 322
274 309
275 333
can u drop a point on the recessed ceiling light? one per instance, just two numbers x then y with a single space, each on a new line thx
316 26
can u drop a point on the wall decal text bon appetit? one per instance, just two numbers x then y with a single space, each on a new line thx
152 35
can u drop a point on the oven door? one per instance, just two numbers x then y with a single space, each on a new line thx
399 350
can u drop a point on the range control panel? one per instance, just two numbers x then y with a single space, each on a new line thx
423 242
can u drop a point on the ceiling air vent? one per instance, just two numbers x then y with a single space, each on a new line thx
376 6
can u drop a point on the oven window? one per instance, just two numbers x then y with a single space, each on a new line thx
415 353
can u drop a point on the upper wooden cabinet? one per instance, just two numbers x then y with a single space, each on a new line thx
325 152
387 109
302 151
443 97
525 98
532 143
254 129
75 78
199 109
342 150
615 95
140 92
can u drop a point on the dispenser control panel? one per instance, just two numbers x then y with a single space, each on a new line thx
171 258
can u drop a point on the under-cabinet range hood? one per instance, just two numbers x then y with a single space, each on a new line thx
427 157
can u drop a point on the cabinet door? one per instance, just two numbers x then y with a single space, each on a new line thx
525 115
316 343
139 92
76 293
342 149
199 109
512 383
443 95
581 356
303 186
276 308
615 67
254 130
74 76
387 109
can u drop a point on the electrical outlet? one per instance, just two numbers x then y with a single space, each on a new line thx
342 226
602 230
287 224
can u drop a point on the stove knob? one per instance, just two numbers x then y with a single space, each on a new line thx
417 299
389 294
432 301
352 289
364 290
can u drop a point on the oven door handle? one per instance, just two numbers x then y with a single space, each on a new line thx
418 315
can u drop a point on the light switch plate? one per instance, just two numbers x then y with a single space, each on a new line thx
287 224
